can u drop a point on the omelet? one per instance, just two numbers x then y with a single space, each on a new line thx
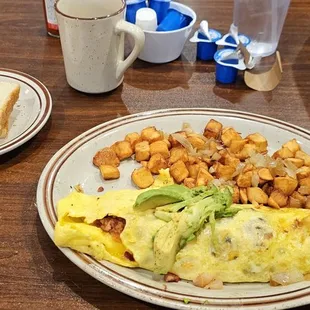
236 243
249 247
77 227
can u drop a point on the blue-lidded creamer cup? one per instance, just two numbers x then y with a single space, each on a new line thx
174 20
227 65
132 6
206 48
161 8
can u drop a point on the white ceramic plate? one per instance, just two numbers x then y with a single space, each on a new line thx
73 165
30 112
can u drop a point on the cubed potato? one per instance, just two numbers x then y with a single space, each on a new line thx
122 149
272 203
307 206
224 172
133 138
300 197
173 141
178 153
212 147
245 179
243 195
191 159
203 165
228 135
109 172
237 145
248 167
246 152
305 182
106 156
304 156
285 184
189 182
142 177
259 141
144 163
213 129
303 172
236 195
283 153
179 171
151 134
304 190
257 194
231 161
207 160
159 147
279 197
168 143
294 203
142 151
297 162
193 170
196 141
156 163
292 145
203 177
265 174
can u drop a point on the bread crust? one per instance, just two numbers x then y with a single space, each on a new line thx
6 110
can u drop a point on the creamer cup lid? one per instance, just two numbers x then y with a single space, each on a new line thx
214 34
245 40
229 58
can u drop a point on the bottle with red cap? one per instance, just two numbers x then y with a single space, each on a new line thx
50 17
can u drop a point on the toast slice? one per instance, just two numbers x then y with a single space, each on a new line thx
9 94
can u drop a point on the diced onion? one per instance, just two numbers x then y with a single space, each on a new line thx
286 278
239 169
211 169
203 279
207 152
216 156
216 182
290 165
185 143
255 179
291 173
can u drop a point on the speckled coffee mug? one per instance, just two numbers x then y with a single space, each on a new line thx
92 40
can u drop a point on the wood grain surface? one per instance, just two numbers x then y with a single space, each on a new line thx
34 274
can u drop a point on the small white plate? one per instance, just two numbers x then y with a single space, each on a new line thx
73 165
30 112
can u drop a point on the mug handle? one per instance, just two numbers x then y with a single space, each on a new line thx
139 37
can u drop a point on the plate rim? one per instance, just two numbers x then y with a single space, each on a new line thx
135 290
43 114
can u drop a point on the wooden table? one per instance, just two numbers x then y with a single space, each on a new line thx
34 274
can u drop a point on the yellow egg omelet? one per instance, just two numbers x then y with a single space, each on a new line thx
249 246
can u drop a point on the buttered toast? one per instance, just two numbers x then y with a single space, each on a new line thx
9 94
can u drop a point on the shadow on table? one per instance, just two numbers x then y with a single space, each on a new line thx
29 148
79 282
167 76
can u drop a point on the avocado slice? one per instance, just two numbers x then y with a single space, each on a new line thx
154 198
